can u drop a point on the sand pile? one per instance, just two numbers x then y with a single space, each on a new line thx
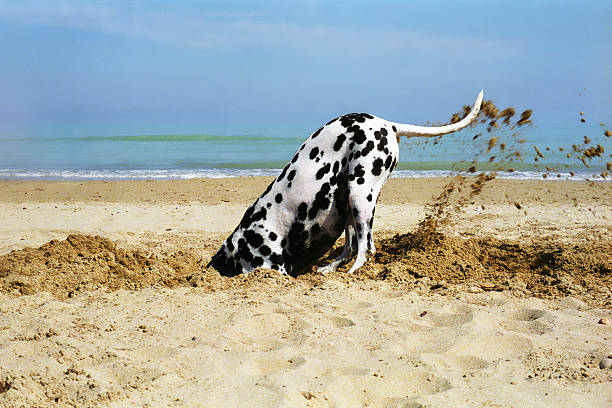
541 268
82 262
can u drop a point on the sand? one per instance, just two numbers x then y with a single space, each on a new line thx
105 301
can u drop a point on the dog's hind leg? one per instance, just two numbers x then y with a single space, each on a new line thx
350 246
361 212
371 247
362 203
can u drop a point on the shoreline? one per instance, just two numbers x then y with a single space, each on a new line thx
577 174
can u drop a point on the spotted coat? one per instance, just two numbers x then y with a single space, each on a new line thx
333 180
330 186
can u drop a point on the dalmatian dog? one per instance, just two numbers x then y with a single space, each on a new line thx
330 186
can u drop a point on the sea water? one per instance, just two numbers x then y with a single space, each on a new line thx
91 154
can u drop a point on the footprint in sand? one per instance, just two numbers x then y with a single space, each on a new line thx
296 362
450 320
341 322
491 347
256 324
396 387
417 342
456 362
529 314
530 321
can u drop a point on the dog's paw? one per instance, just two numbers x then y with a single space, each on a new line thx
326 269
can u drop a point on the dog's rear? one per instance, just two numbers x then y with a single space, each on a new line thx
330 186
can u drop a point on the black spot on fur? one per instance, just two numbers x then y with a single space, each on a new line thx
253 239
359 135
314 152
348 120
244 251
265 250
277 259
388 162
315 229
377 167
226 266
381 145
369 147
246 218
291 175
383 131
323 171
339 142
315 134
359 171
302 208
282 175
295 158
272 236
321 202
369 197
267 190
257 261
394 128
278 198
360 180
259 215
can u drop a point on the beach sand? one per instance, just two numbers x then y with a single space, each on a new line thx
105 301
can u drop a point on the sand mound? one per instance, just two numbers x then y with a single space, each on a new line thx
541 268
90 262
82 262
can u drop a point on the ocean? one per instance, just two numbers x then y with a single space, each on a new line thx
91 155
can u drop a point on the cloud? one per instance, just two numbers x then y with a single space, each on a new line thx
220 29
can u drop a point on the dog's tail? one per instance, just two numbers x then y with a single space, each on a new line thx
416 131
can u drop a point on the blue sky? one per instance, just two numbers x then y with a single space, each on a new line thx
257 67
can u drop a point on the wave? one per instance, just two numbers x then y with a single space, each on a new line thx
183 174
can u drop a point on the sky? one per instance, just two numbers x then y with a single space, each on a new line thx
281 66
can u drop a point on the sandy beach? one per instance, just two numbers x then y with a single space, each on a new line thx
105 301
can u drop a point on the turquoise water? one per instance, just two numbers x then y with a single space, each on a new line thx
77 156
